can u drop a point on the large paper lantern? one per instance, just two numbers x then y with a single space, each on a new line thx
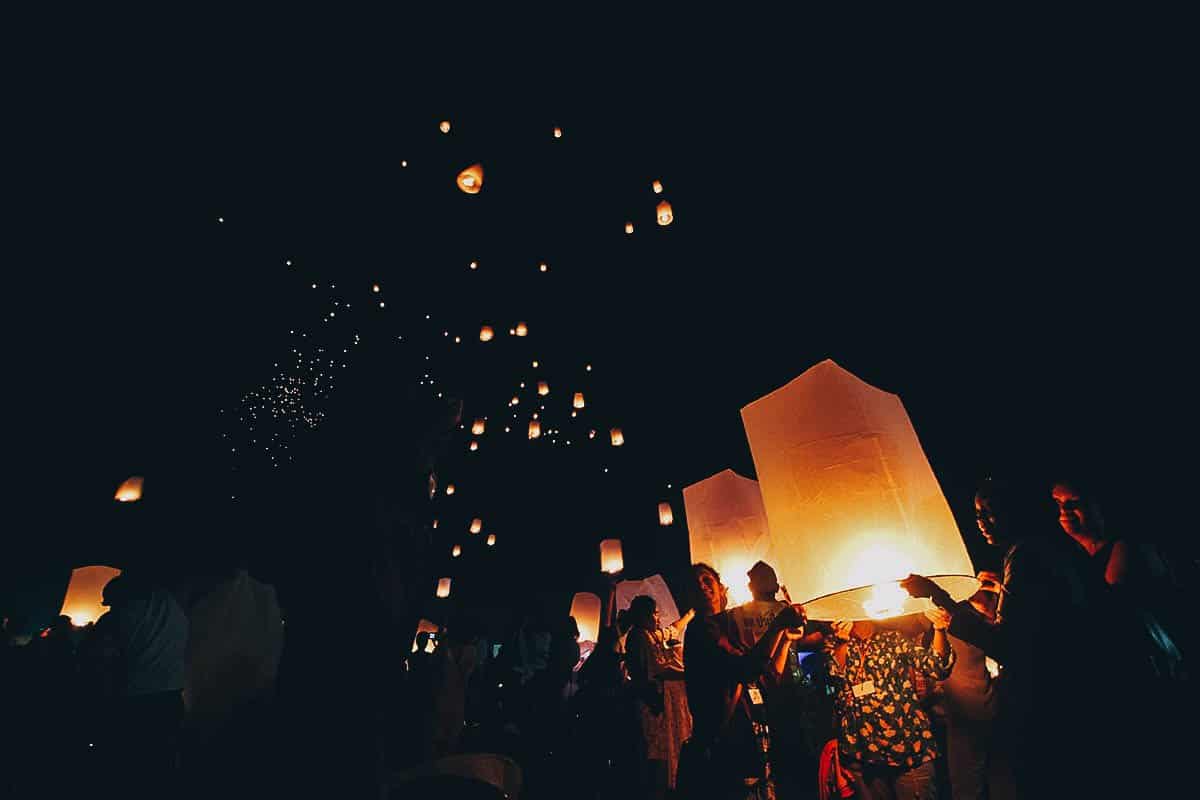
470 180
665 515
443 587
535 429
852 501
578 401
727 529
653 586
664 214
616 437
85 592
478 426
476 525
130 491
585 608
543 388
611 559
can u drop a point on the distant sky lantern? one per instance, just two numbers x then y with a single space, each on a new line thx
85 592
585 608
542 267
456 551
486 333
375 288
470 180
665 515
491 540
515 400
444 126
443 587
522 329
435 524
611 559
616 437
535 363
578 401
727 528
591 434
450 488
543 388
131 490
664 214
535 429
852 502
558 133
629 227
478 426
474 265
473 446
476 525
657 187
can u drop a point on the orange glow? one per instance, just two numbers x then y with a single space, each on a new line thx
456 551
476 525
478 426
470 180
591 434
657 187
578 401
543 388
617 437
665 515
664 213
629 227
542 267
443 587
491 540
611 559
450 488
83 601
522 329
473 446
486 333
585 608
535 429
558 133
131 490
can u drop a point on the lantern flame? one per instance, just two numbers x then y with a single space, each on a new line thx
131 490
886 600
470 180
665 215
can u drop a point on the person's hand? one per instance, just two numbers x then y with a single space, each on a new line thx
920 586
841 630
791 617
940 618
794 634
989 581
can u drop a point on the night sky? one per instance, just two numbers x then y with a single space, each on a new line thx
990 248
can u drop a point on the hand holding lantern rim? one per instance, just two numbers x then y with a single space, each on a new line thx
920 586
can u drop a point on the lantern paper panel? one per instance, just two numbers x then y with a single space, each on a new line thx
85 592
130 491
611 559
470 180
665 515
655 587
443 587
727 529
852 501
585 608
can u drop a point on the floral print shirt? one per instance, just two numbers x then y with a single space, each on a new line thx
884 724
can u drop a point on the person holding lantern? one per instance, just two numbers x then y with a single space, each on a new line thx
663 721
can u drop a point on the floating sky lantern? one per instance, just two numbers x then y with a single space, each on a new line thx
616 437
558 133
535 429
852 502
443 587
629 227
474 265
665 515
585 608
522 329
543 388
470 180
611 559
450 488
577 402
478 426
435 524
375 288
476 525
491 540
130 491
84 600
444 126
456 551
657 187
486 334
514 401
542 267
727 528
664 214
473 446
591 434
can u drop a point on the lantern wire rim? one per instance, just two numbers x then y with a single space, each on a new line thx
958 584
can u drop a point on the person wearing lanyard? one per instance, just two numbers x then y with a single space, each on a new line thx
884 736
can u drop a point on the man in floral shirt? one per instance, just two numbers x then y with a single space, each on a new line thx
884 735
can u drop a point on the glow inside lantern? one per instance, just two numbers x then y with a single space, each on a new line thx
470 180
585 608
443 587
456 551
852 502
616 437
665 515
478 426
130 491
486 334
476 525
664 214
491 540
543 388
611 559
657 187
85 593
727 529
578 401
522 329
535 429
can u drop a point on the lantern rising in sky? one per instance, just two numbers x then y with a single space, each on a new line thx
476 525
470 180
585 608
664 214
522 329
535 429
473 446
456 551
543 388
616 437
444 126
629 227
486 334
84 600
577 402
443 587
665 515
852 502
558 133
491 540
611 559
727 528
657 187
478 426
130 491
450 488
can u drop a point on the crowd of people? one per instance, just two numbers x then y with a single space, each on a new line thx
1060 676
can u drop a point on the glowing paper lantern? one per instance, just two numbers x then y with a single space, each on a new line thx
616 437
476 525
443 587
611 559
727 528
131 490
491 540
478 426
450 488
629 227
664 214
85 592
522 329
444 126
470 180
591 434
657 187
665 515
486 333
578 401
456 551
852 501
473 446
535 429
435 524
653 586
543 388
515 400
558 133
585 608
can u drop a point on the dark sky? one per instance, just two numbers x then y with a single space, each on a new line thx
994 245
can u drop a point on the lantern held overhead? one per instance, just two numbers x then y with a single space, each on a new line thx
727 528
130 491
665 515
611 559
443 587
84 600
585 608
470 180
663 213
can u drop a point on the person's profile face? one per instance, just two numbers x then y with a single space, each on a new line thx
987 520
